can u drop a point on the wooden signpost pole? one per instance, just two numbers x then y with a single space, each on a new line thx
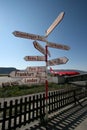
46 84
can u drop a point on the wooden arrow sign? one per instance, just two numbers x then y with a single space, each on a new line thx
58 61
32 80
29 36
36 69
40 38
40 48
58 46
55 23
34 58
20 74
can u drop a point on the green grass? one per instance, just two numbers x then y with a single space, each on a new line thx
12 91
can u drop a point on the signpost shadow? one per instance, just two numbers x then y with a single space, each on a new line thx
67 119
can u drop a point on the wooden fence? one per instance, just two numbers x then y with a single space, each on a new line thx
22 111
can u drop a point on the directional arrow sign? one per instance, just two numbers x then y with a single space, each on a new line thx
34 58
31 80
29 36
57 61
40 48
55 23
40 38
58 46
36 69
20 74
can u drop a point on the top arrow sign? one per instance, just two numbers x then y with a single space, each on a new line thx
55 23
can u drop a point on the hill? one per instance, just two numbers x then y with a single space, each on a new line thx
6 70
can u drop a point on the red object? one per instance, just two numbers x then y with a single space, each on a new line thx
46 89
64 73
46 82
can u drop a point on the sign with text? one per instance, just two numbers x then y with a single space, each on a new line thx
29 36
31 80
42 80
34 58
22 74
58 46
40 48
58 61
41 74
36 69
55 23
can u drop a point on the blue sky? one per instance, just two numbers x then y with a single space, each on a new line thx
35 16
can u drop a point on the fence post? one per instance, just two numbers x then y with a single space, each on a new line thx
4 115
25 109
76 100
20 109
10 115
15 114
41 108
74 95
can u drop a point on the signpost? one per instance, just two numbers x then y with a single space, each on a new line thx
55 23
34 58
45 51
58 61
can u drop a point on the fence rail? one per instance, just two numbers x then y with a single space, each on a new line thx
22 111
